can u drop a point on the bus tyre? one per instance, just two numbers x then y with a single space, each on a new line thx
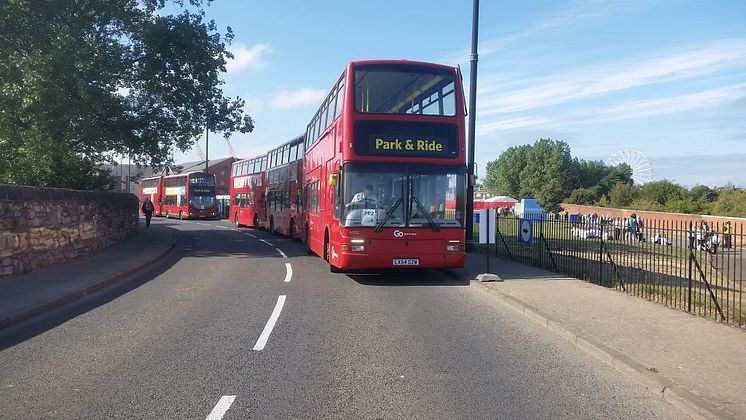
272 226
291 230
327 257
235 220
181 216
256 222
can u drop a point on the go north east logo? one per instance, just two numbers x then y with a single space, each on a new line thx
399 234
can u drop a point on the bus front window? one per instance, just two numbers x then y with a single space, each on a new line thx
403 195
370 192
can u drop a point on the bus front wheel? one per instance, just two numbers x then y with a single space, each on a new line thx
256 222
235 220
291 230
327 255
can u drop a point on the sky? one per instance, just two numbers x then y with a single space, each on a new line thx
664 78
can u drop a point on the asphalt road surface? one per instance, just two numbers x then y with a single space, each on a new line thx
237 323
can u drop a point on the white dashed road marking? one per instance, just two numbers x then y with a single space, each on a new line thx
248 234
281 253
221 408
289 274
262 240
259 346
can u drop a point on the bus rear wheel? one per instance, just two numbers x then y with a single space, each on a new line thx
308 243
181 216
272 226
256 222
291 230
235 220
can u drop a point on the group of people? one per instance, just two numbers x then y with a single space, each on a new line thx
707 239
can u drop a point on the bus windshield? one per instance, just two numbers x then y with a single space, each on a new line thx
202 202
404 89
402 195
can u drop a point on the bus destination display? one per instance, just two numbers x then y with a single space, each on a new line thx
391 145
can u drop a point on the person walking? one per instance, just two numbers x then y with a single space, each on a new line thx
147 210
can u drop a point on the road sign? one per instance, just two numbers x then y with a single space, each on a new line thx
527 231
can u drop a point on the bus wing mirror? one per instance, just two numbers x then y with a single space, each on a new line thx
333 179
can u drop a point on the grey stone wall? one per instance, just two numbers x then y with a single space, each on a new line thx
44 226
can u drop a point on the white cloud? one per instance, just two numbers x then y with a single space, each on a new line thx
288 99
247 58
627 110
568 87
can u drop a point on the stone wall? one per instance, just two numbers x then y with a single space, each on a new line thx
45 226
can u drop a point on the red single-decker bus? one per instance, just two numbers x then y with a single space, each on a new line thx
385 168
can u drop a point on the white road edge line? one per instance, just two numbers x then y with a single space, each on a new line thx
281 253
221 408
289 274
259 346
221 227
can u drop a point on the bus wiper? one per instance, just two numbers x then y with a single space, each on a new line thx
430 220
389 212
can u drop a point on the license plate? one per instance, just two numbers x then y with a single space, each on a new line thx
406 261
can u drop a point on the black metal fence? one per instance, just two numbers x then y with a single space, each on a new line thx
697 268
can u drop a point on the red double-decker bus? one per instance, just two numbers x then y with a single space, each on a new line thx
153 188
190 195
385 168
247 187
285 188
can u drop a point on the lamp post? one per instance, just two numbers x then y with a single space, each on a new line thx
472 122
207 142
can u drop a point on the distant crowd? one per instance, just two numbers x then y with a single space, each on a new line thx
633 228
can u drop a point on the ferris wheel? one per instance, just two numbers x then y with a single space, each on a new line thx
642 172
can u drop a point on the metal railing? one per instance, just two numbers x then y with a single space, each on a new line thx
695 268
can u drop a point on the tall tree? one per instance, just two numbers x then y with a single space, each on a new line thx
82 80
548 174
503 175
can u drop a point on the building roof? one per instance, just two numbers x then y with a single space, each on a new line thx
199 165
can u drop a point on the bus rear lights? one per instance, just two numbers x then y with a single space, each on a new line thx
453 246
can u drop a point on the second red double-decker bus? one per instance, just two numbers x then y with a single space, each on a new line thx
385 168
247 185
190 195
152 188
285 188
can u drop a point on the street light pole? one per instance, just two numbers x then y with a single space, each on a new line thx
207 143
472 122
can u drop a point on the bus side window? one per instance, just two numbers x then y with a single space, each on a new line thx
338 196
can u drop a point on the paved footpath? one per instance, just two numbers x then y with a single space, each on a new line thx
45 289
695 363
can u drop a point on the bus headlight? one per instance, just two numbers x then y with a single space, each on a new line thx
357 245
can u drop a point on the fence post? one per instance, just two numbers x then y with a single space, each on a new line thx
689 234
601 257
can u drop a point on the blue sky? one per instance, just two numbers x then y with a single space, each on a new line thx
666 78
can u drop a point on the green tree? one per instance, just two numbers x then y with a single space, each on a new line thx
82 80
502 176
548 174
622 194
587 196
731 201
661 192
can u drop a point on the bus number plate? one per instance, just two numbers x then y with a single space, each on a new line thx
406 261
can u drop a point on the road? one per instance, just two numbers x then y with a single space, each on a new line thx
185 340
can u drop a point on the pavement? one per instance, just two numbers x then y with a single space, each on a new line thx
693 363
43 290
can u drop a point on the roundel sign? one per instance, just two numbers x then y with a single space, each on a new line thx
527 231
